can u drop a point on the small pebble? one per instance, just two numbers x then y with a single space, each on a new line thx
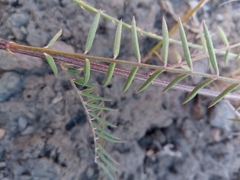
2 133
28 131
22 123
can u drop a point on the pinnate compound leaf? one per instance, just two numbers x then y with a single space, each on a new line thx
135 40
101 165
109 74
165 42
194 92
109 164
104 152
94 96
175 81
130 79
117 41
80 81
54 39
52 64
149 80
185 44
92 32
211 52
99 107
86 71
224 93
101 120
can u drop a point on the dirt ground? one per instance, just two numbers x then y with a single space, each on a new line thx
47 136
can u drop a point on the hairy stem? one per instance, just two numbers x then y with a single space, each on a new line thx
78 61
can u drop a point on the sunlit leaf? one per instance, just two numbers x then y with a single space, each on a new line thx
165 41
135 40
86 72
223 94
185 44
109 74
210 48
130 79
92 32
149 80
52 64
175 81
117 41
194 92
101 120
54 39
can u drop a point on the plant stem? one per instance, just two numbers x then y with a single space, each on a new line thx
78 61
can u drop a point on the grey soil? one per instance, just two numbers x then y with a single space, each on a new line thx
47 136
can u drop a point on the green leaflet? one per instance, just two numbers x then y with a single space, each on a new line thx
108 138
175 81
210 48
54 39
101 120
225 41
238 56
224 93
92 32
104 131
99 107
79 81
117 41
226 56
194 92
223 36
94 97
110 165
165 41
135 40
88 90
130 79
149 80
105 170
86 71
234 119
103 151
52 64
109 74
73 70
185 44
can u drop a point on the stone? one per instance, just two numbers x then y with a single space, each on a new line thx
28 131
22 123
17 20
10 84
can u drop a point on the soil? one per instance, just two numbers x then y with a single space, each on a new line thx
44 134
